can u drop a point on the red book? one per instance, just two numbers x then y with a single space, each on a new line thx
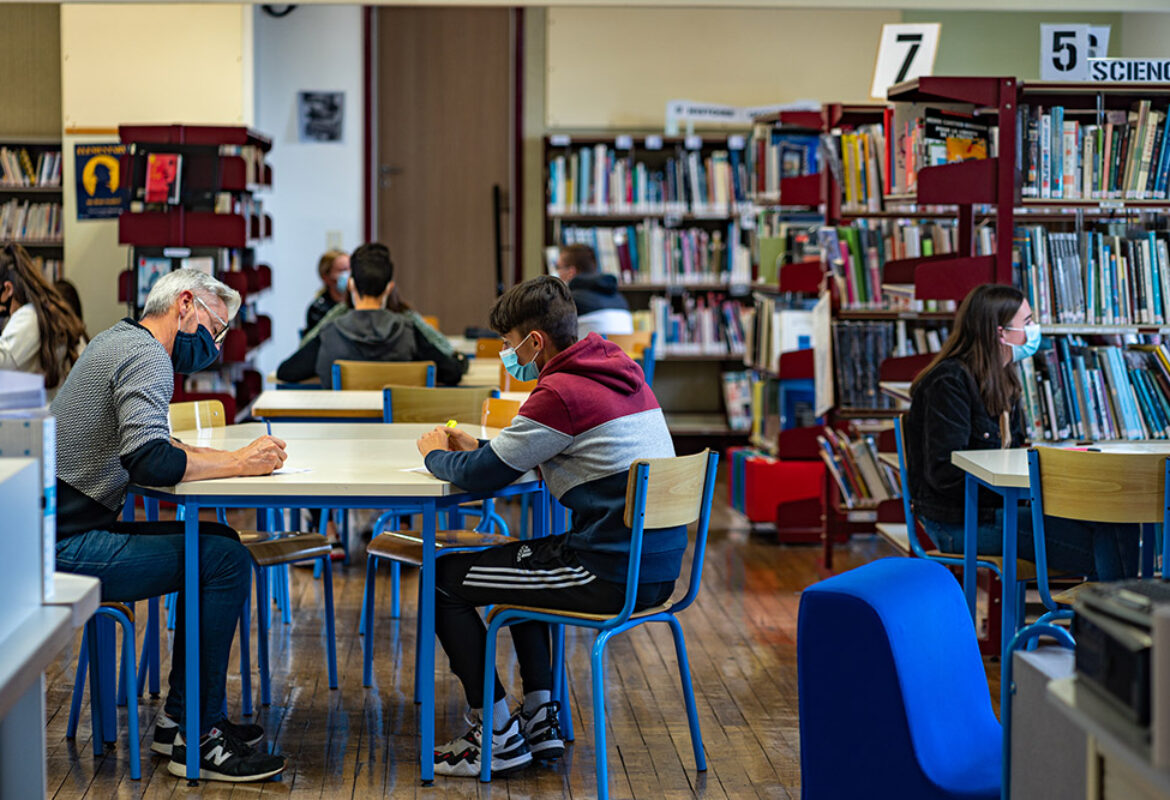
162 177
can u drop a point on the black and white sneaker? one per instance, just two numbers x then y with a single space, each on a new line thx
166 728
542 729
460 757
223 757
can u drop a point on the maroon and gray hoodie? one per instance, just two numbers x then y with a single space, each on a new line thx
590 417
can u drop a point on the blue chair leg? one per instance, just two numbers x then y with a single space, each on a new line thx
489 699
1147 550
395 590
129 679
330 634
286 590
148 662
107 638
525 506
368 612
246 652
561 681
78 685
599 744
172 604
262 637
122 688
684 674
93 655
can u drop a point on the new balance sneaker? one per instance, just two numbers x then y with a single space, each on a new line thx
223 757
165 729
460 757
542 729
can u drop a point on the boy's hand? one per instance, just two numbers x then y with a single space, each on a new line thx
460 440
434 440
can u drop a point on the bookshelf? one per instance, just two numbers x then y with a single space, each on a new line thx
211 219
31 199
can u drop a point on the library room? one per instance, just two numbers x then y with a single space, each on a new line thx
829 341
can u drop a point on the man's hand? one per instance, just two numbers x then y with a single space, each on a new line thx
261 456
434 440
460 440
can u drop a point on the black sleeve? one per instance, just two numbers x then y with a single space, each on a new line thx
1019 433
947 428
301 365
448 368
157 463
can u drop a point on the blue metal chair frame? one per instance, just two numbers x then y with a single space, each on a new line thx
608 628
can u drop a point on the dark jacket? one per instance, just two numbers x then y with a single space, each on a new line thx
595 292
317 310
947 414
376 335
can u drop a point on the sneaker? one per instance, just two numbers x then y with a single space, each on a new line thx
166 728
460 757
542 730
223 757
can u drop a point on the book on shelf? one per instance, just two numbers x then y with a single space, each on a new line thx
706 324
600 179
17 167
776 325
861 346
1093 392
30 222
650 252
781 243
737 400
861 477
864 176
150 269
1119 154
1117 275
778 154
163 177
930 135
51 268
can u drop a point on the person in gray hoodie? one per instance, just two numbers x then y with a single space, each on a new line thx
371 332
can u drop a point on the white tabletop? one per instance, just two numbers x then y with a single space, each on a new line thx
351 403
1009 468
234 436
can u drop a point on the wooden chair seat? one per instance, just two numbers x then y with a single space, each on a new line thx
1025 570
646 612
252 537
287 549
406 547
1069 595
125 609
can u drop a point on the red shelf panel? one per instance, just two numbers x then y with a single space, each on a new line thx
803 277
812 120
804 190
968 182
902 270
237 281
180 228
233 175
980 91
903 368
952 278
856 114
796 364
800 443
208 135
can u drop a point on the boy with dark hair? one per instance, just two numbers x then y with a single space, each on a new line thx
370 332
600 307
590 416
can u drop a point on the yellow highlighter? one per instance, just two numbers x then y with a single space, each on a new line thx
451 423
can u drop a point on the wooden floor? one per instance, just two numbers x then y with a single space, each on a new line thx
358 742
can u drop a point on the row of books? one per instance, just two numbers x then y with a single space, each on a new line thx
929 136
861 346
1127 157
51 268
650 252
25 221
1095 277
706 325
603 180
780 243
17 167
863 168
1073 390
737 399
776 325
856 469
778 154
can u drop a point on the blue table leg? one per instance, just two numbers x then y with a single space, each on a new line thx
1010 612
191 587
540 512
970 539
426 645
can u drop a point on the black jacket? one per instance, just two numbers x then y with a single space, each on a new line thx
318 309
595 292
947 414
377 335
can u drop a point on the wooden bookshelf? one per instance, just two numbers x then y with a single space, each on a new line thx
50 252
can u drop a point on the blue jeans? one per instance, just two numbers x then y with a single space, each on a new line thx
1099 551
139 560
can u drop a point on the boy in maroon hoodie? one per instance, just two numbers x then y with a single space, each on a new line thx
590 417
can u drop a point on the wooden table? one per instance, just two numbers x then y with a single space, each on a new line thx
344 471
349 404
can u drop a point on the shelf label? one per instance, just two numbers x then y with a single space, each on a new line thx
653 142
905 52
1064 52
1129 70
624 143
861 516
560 140
738 289
693 142
671 220
735 142
177 252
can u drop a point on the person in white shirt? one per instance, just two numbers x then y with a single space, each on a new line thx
600 306
42 334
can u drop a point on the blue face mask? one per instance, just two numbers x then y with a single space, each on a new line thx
521 372
194 352
1031 342
343 282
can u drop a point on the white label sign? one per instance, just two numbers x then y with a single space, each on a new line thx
1064 52
1129 70
905 52
1099 41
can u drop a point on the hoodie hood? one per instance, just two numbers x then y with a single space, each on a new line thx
597 360
596 292
375 327
599 282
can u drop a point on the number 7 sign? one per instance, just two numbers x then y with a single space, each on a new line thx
905 52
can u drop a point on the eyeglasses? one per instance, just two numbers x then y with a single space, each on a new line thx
223 330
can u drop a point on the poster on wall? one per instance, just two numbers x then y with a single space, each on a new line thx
320 116
100 194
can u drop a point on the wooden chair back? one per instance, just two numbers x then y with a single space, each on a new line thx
674 490
510 384
498 412
197 415
488 348
433 404
1101 486
632 344
431 320
376 374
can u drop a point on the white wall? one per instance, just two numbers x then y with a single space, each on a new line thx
317 188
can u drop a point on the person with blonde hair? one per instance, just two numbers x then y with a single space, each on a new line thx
333 267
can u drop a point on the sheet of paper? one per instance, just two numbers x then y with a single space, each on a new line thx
421 470
291 470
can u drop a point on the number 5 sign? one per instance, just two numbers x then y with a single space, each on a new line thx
905 52
1065 50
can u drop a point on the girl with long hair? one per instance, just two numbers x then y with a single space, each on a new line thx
42 333
968 398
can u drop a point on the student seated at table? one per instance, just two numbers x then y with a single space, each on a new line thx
372 331
112 431
589 418
968 398
600 306
41 332
333 268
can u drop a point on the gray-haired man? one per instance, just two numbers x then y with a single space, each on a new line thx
112 431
